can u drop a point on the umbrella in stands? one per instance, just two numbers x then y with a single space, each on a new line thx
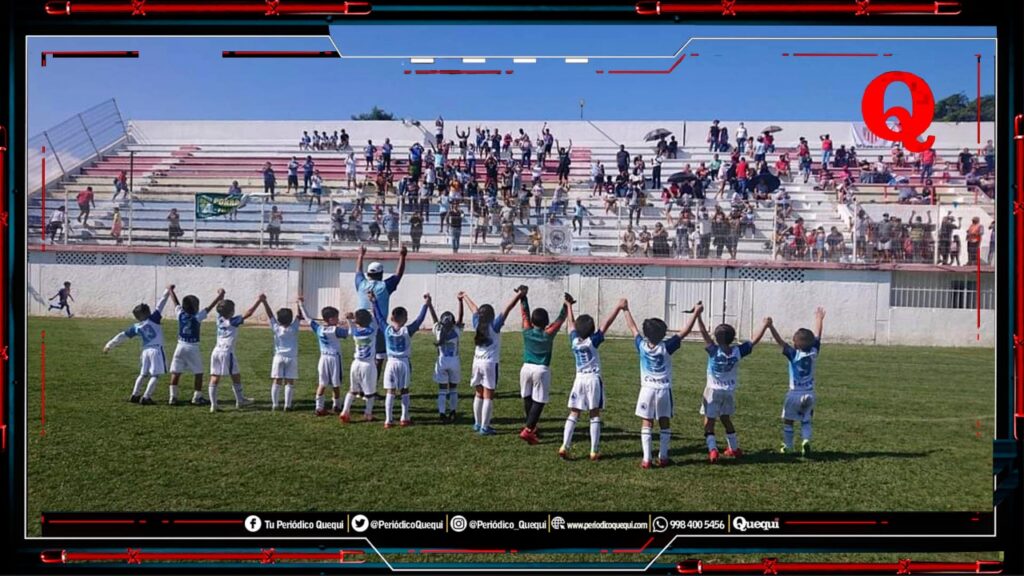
771 129
656 134
680 177
769 181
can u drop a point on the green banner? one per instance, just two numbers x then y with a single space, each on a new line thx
213 205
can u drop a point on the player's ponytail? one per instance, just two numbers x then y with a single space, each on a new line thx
485 316
446 326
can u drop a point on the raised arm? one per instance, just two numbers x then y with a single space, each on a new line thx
414 326
163 298
302 311
819 321
572 319
458 319
761 331
216 300
775 335
174 298
252 309
524 310
693 319
430 306
463 297
400 271
379 316
359 262
555 326
512 303
704 331
608 321
630 323
266 308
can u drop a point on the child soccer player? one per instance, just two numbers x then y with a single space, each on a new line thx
486 356
655 400
186 354
447 373
398 342
803 361
147 325
535 376
284 368
64 294
222 360
329 366
363 372
719 399
588 388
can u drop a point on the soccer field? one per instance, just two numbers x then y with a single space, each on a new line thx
896 428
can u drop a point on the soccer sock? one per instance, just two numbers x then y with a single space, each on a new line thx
664 439
237 389
319 403
442 400
570 427
486 410
389 404
197 394
173 394
453 399
710 439
787 435
137 390
534 417
369 406
595 434
150 388
405 406
289 394
478 404
335 397
734 443
349 397
647 442
275 392
805 430
213 396
527 404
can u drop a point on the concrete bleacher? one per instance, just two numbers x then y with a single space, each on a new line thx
169 169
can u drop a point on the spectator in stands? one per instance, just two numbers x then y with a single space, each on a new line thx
927 164
444 207
760 150
919 232
536 240
683 227
928 193
317 184
235 195
116 226
897 157
343 140
316 140
835 245
438 131
965 163
748 223
636 204
628 244
991 243
338 224
989 152
826 149
174 230
954 250
734 223
974 235
375 224
58 220
268 180
307 174
719 231
841 159
390 223
507 237
723 140
741 178
712 137
622 158
946 228
656 171
673 148
885 236
782 168
274 220
741 138
120 185
455 227
644 241
85 199
304 141
416 230
369 151
611 201
293 175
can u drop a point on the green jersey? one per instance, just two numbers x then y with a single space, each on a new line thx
537 343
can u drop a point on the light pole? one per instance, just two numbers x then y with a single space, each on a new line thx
582 103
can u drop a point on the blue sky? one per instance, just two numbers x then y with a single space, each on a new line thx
185 78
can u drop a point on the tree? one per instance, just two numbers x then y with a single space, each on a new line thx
959 108
374 114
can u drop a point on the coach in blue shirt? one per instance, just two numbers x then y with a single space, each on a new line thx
374 281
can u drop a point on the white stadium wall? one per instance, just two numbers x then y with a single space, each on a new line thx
859 302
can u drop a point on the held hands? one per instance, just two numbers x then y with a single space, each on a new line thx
623 304
819 313
522 289
426 298
403 250
371 296
698 309
262 297
350 316
170 287
568 298
220 292
460 295
362 250
768 321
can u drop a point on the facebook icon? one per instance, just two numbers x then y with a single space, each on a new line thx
253 523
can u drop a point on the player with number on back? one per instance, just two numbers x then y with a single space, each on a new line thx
362 380
719 398
588 388
152 361
447 372
186 354
486 357
398 341
655 399
329 367
284 368
222 360
800 400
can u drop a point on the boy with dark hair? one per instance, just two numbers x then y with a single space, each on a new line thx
398 371
800 400
222 360
64 294
147 325
329 367
284 368
186 354
535 376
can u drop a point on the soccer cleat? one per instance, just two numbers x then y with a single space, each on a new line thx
713 456
244 402
645 464
442 417
563 453
595 456
213 409
387 425
488 431
529 437
146 401
805 448
733 453
321 412
453 417
405 423
345 418
664 462
785 449
134 399
476 427
336 409
201 401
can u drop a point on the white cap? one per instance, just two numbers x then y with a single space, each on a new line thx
375 268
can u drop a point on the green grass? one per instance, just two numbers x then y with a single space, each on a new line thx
896 428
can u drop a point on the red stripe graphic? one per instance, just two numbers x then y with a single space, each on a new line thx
468 72
853 8
667 71
157 7
279 54
832 522
459 551
834 54
634 550
206 521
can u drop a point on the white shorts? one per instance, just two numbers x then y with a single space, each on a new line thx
654 403
152 362
396 374
717 402
798 405
285 367
535 382
587 393
186 359
380 346
329 370
223 363
484 374
447 370
363 377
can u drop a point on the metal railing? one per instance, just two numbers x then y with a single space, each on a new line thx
75 141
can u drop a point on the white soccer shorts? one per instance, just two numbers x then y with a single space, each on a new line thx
535 382
799 405
396 374
363 377
152 362
654 403
186 359
223 363
587 393
329 370
484 374
716 403
284 367
447 370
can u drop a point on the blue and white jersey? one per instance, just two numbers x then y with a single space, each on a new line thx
382 290
398 341
149 330
588 361
328 337
286 338
656 361
802 366
723 366
188 325
450 347
365 340
489 352
227 332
